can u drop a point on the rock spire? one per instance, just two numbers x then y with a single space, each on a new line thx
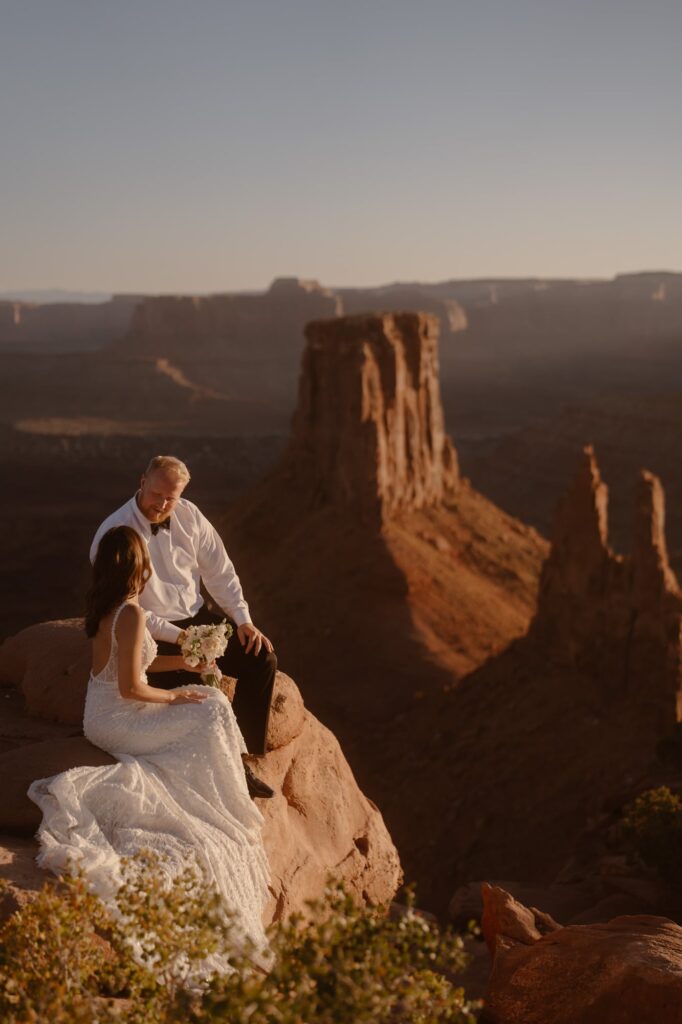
619 616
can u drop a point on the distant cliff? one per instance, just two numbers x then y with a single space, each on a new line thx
245 346
64 326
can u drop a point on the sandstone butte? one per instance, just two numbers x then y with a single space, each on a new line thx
383 577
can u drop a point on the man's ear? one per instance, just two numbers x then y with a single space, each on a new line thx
142 479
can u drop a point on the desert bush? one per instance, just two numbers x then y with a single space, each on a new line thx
652 825
66 958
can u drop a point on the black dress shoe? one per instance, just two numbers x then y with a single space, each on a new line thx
256 786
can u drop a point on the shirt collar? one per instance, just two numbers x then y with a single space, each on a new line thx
143 524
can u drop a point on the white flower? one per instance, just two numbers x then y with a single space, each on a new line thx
205 643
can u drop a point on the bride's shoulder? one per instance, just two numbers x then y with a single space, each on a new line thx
131 620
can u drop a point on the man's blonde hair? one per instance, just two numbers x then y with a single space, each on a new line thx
169 465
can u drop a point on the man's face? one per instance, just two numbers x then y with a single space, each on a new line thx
158 495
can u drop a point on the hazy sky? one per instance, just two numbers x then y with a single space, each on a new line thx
211 145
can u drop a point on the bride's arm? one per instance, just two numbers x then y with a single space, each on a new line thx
130 634
171 663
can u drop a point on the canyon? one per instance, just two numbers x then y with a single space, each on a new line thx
496 694
453 651
530 371
398 595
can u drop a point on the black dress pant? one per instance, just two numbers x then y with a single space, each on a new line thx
255 675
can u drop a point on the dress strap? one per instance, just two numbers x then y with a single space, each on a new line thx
114 621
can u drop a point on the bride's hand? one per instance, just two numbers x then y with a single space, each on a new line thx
203 666
188 697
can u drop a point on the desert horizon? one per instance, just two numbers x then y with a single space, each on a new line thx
341 519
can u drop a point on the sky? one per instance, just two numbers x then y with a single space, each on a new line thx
211 145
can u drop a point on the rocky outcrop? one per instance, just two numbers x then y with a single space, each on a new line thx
318 824
587 890
507 922
627 970
50 664
369 433
580 559
618 616
20 766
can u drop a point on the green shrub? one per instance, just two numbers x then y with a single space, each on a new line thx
65 958
652 824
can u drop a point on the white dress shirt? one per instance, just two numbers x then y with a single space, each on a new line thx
190 551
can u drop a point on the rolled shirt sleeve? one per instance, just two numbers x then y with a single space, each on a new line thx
162 629
218 573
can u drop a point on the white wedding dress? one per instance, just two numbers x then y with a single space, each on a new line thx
178 789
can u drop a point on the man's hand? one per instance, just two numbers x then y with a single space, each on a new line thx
253 638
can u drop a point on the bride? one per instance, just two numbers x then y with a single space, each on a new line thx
178 787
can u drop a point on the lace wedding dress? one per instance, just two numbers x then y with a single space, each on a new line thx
178 789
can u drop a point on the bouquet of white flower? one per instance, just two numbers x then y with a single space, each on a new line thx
205 644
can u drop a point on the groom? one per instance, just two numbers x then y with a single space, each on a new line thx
185 549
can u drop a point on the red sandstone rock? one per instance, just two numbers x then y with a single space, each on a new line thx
620 617
369 431
287 713
320 824
50 664
19 768
628 971
563 901
506 922
579 556
653 579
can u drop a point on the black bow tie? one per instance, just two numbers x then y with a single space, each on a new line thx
163 525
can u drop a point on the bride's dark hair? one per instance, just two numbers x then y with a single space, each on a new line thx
120 570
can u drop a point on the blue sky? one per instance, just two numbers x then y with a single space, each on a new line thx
162 146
